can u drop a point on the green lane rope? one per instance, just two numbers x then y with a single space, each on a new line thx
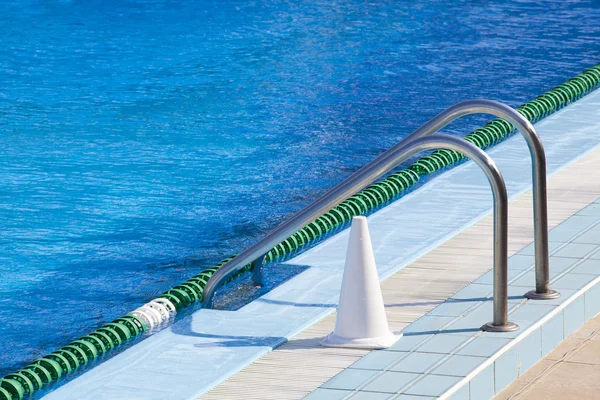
80 352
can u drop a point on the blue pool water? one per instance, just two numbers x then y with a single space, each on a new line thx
145 140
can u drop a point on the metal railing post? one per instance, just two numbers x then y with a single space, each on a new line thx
538 164
256 268
500 322
389 160
370 173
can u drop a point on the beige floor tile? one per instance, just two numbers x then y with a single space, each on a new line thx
553 392
591 327
563 348
511 391
573 375
589 353
537 370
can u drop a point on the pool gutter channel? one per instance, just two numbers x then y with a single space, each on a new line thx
160 312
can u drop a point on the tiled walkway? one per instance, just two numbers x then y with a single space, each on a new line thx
571 371
446 347
447 344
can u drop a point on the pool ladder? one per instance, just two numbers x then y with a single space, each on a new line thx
426 138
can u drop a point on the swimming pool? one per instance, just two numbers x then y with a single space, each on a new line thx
144 141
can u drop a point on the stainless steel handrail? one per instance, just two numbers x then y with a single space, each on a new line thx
371 172
538 164
255 254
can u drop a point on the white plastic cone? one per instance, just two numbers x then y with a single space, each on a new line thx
361 321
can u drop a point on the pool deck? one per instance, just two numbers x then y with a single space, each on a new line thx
443 230
444 344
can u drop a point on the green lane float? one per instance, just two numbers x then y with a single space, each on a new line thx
161 311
